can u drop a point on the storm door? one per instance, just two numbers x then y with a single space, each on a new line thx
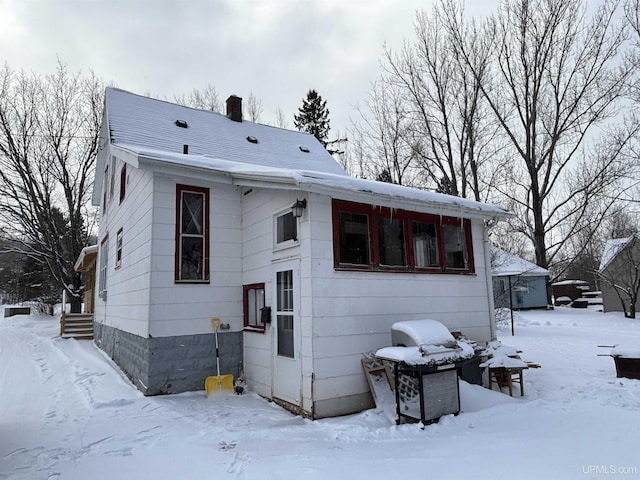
287 366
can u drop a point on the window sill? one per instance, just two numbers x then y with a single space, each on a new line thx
421 271
285 245
254 328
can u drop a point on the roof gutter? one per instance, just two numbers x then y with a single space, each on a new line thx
392 201
286 180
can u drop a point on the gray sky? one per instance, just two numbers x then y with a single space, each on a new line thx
275 49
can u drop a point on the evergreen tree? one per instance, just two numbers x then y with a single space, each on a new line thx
313 117
385 176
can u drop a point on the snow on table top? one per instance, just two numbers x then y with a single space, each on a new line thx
496 347
501 355
502 360
626 351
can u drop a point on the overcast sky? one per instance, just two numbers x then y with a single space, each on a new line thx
275 49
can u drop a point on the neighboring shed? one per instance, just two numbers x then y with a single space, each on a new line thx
619 275
570 288
517 283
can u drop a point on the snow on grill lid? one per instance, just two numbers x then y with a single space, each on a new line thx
411 333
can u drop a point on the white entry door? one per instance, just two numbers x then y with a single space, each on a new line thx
287 367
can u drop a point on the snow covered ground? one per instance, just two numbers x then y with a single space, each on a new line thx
67 413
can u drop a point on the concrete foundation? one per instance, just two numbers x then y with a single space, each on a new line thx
170 364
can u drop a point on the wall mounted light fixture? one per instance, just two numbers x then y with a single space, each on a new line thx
298 208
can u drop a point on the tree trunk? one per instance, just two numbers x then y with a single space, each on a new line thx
76 306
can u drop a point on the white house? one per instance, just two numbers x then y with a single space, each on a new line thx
197 222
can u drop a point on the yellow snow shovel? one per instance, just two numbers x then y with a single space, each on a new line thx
218 382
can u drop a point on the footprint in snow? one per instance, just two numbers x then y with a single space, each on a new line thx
227 446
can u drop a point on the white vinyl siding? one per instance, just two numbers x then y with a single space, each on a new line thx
186 308
129 288
353 311
104 262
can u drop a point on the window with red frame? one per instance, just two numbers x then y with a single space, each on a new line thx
368 237
192 234
253 302
123 181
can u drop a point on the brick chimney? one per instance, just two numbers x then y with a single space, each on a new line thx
234 108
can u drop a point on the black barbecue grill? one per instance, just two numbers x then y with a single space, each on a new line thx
426 359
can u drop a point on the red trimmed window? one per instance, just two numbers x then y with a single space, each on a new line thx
192 234
123 181
253 302
367 237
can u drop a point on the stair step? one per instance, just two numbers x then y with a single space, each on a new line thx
77 325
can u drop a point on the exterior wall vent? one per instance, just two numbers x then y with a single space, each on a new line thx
252 139
304 149
182 124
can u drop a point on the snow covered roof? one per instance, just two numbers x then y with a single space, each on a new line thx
505 264
611 249
86 258
578 283
140 121
143 131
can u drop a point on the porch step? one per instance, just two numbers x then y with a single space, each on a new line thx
76 325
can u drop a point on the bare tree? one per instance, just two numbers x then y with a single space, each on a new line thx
205 99
621 223
254 108
382 135
281 119
557 77
49 130
450 135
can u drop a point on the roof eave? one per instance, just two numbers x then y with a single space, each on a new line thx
393 201
86 258
288 180
170 168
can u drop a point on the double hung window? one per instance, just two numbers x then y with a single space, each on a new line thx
192 234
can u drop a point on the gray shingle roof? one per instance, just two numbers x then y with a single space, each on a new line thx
138 121
145 128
